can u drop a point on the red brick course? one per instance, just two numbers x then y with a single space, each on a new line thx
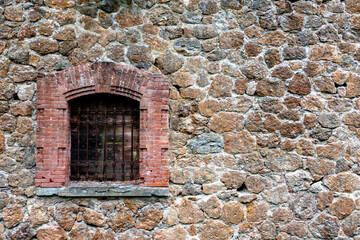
53 127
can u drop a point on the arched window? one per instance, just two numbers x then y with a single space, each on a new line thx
102 122
104 138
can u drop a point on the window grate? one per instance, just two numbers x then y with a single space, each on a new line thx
104 139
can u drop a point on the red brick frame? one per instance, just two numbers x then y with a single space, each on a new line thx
53 127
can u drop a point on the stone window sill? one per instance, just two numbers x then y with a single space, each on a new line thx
101 191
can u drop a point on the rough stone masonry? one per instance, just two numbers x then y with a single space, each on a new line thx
264 116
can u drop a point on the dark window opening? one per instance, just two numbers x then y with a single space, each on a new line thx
104 138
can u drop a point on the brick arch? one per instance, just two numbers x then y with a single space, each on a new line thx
103 77
53 138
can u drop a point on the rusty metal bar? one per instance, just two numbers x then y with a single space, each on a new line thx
114 146
78 149
123 146
105 163
87 145
132 145
96 146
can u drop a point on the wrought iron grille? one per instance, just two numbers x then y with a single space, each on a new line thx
104 138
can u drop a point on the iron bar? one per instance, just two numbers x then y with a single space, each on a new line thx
132 146
105 163
114 146
123 147
78 149
96 146
87 145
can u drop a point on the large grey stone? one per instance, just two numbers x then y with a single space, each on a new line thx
206 143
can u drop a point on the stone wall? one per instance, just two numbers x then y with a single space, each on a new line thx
264 116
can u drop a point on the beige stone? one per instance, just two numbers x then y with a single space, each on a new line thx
65 17
233 213
342 208
292 130
2 142
43 45
192 93
325 226
355 22
271 123
189 213
135 204
324 199
79 232
60 3
21 178
65 34
240 85
46 28
252 162
252 49
236 104
300 85
4 67
292 22
331 150
121 221
233 179
282 214
272 88
209 107
212 188
282 72
353 6
312 104
14 13
253 31
256 211
22 108
215 230
320 167
278 161
224 122
24 125
255 183
94 218
149 218
241 142
178 176
273 58
51 231
177 232
129 17
38 215
182 79
12 215
274 38
343 182
277 195
353 87
221 86
324 52
313 68
20 73
305 147
65 215
310 120
296 228
211 207
231 39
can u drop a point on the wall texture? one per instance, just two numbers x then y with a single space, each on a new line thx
264 116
